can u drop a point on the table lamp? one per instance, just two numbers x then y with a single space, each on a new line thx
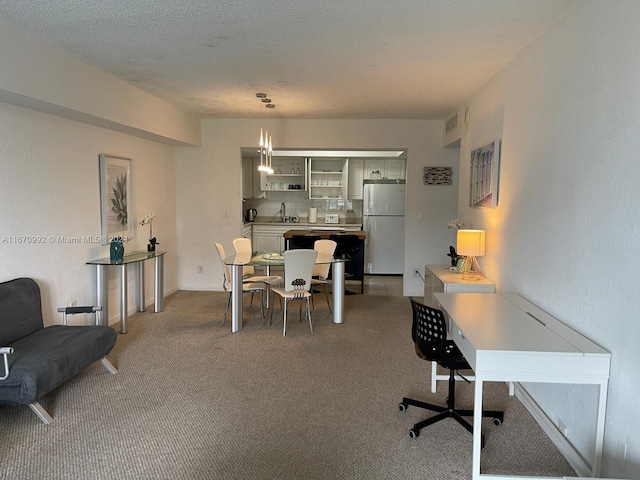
470 244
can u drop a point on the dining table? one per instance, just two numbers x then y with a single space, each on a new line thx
274 259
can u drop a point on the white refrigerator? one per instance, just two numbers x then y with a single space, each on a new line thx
383 220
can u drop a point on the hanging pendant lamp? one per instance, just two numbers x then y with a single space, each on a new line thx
270 143
264 143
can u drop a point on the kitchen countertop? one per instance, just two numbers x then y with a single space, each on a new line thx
303 223
361 234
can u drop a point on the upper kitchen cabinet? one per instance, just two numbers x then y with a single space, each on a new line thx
356 176
328 178
251 178
289 174
384 168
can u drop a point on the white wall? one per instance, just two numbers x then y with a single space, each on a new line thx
209 182
50 187
566 231
39 77
49 167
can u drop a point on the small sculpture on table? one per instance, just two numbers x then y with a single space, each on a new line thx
151 247
148 219
454 256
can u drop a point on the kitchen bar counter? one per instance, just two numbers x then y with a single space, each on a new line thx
348 247
361 234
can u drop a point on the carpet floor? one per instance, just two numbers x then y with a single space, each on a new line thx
194 401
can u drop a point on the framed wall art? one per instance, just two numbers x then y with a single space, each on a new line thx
116 197
485 163
437 176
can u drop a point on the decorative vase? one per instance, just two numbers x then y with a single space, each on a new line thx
461 265
116 250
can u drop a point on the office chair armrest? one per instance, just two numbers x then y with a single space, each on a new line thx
4 351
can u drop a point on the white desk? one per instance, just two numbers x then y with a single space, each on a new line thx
440 278
505 338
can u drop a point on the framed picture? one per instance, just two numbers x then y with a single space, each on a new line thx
485 162
116 197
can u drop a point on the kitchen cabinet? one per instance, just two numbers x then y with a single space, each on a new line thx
270 238
286 171
328 178
247 178
389 168
246 231
251 179
356 176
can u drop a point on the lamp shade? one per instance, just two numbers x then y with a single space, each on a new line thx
470 243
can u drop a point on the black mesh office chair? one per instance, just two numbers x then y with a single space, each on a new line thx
429 333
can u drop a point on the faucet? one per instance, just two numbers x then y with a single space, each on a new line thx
283 212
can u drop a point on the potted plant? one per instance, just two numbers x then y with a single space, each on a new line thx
148 220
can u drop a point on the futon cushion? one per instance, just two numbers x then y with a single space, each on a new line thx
20 310
49 357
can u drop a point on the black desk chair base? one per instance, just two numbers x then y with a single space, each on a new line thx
446 412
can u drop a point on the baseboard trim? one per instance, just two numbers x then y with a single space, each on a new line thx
133 309
560 441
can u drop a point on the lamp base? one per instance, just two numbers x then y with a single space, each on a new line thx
472 275
467 272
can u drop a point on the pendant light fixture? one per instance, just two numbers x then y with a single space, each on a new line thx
261 143
264 144
270 106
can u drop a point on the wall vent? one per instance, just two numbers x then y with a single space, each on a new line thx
451 124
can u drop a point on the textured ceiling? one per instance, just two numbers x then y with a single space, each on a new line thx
338 59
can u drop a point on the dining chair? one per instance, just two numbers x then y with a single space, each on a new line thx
320 272
298 267
246 287
243 245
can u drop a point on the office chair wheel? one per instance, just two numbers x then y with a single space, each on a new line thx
402 406
414 433
497 421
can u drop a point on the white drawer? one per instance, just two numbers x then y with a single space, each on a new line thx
463 344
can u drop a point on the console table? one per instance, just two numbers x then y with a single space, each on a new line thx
505 338
441 278
102 284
